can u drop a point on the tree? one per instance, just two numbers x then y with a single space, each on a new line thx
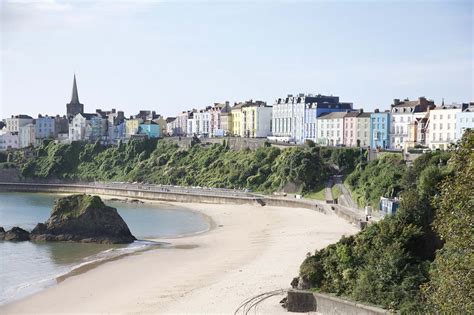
450 290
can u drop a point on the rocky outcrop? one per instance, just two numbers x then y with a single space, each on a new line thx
300 302
83 218
14 234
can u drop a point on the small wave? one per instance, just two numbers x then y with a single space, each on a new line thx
24 289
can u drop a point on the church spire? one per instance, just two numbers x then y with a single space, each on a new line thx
75 95
74 107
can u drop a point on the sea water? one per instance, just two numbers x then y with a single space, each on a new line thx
27 267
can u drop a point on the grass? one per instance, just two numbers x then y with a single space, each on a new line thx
317 194
336 192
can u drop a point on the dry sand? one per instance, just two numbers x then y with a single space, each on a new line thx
251 250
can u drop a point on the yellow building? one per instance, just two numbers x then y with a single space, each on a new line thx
235 121
132 126
162 123
249 121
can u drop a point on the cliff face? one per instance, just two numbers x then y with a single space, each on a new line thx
83 218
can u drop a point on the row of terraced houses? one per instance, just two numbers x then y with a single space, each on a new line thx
322 119
328 122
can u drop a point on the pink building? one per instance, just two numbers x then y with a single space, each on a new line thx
215 124
350 129
357 129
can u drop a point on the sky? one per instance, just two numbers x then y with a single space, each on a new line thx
171 56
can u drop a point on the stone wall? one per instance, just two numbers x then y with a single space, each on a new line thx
235 143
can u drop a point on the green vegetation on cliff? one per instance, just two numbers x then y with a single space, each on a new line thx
419 260
266 169
450 290
75 205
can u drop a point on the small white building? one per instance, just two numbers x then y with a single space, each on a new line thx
85 126
9 140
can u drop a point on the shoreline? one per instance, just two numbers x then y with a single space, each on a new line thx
250 250
141 245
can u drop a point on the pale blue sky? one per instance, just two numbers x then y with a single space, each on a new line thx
172 56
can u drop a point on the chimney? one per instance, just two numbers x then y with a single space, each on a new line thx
376 110
396 101
361 110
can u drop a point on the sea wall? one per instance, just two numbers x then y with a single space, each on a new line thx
331 305
126 192
302 301
180 195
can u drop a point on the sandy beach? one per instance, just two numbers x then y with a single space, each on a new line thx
249 251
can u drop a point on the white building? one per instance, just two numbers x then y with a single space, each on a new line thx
190 125
27 135
402 114
256 120
85 127
441 130
9 140
15 122
464 121
331 129
288 118
294 117
202 122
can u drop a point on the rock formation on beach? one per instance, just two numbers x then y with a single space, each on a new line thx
78 218
14 234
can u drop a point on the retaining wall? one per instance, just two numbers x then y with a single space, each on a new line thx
300 301
330 305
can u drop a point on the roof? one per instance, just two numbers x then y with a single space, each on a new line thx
22 117
352 114
333 115
89 116
149 122
170 119
226 109
365 115
75 95
407 104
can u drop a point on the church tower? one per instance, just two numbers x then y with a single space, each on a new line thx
74 107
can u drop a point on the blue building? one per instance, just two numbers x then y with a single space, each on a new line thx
464 121
388 206
150 128
45 128
380 130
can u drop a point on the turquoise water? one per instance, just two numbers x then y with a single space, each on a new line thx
26 267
